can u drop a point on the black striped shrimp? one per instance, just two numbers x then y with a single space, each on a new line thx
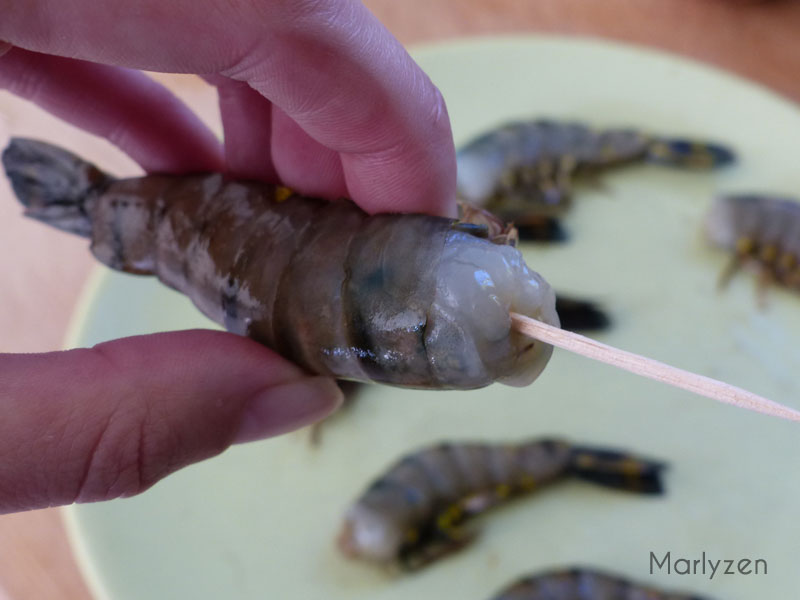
408 300
585 584
524 171
760 231
416 512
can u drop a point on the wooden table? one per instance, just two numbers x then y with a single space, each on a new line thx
43 271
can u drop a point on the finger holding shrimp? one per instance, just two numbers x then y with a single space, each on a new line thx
95 424
349 88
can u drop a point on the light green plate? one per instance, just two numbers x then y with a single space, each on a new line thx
260 520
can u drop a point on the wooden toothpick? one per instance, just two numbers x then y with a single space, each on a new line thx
647 367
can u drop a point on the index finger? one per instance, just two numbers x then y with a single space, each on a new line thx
329 64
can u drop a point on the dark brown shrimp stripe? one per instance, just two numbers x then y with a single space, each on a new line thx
415 512
409 300
585 584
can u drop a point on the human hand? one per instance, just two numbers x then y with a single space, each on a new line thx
314 94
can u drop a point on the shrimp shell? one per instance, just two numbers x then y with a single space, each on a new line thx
584 584
409 300
414 513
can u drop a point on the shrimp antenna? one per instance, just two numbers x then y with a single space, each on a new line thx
647 367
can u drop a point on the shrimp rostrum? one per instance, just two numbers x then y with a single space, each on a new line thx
524 171
584 584
416 511
412 300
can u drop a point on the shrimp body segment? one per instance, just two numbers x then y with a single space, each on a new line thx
409 300
524 171
414 513
758 230
584 584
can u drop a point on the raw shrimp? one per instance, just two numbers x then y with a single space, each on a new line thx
415 512
524 171
584 584
409 300
759 230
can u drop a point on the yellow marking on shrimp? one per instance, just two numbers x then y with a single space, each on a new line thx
630 467
502 491
412 536
282 193
701 156
585 461
660 150
769 253
527 482
745 245
449 517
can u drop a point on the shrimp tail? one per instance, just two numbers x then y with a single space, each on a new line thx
689 154
617 470
54 185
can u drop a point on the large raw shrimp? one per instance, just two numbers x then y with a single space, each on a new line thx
411 300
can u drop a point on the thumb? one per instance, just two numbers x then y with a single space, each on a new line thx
94 424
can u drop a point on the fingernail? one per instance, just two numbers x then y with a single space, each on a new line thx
287 407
